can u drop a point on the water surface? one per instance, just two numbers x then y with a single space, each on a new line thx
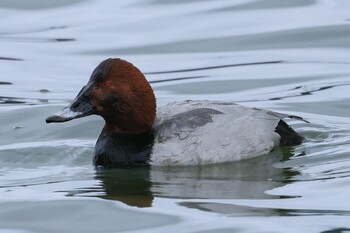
288 56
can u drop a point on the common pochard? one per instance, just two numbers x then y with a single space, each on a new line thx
180 133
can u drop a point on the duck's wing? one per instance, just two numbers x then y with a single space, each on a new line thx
181 125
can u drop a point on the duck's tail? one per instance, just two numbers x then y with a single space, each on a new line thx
288 136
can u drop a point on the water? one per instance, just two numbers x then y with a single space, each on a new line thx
284 55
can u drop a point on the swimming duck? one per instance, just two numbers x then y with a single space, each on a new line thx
181 133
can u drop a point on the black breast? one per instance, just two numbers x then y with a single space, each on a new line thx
113 150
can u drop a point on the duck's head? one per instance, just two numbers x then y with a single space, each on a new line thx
118 92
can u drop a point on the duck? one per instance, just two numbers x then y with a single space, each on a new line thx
182 133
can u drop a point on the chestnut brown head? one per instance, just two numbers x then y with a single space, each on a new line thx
118 92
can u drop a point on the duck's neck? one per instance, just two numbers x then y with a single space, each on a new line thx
119 149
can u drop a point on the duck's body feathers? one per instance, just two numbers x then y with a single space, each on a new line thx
207 132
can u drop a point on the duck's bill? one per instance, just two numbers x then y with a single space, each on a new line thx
80 107
66 114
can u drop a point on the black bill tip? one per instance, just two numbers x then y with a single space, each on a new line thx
56 119
65 115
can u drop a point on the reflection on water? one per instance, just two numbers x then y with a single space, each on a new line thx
38 40
36 4
233 210
131 186
138 186
29 31
10 59
17 36
13 100
213 67
332 37
270 4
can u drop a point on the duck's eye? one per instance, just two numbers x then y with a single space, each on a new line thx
107 84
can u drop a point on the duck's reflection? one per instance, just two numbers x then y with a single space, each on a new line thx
131 186
137 186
